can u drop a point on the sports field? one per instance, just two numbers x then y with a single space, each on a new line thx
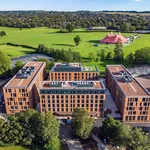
50 38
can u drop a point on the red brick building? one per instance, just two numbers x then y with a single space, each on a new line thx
132 99
22 91
62 97
73 72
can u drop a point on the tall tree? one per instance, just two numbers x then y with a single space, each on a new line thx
91 56
50 131
77 40
17 67
139 140
69 27
102 54
118 52
109 56
116 131
4 62
130 58
142 56
82 123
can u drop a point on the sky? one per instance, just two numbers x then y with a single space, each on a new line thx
75 5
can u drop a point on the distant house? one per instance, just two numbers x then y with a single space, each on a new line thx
96 28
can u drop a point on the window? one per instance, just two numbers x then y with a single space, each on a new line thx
43 105
23 90
101 101
24 99
20 103
9 90
43 96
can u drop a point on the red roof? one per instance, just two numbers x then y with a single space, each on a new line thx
114 38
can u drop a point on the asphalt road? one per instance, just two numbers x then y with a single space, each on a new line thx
30 57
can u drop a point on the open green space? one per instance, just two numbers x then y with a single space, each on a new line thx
50 38
13 148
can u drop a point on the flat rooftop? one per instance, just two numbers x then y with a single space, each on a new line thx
73 67
145 81
129 85
72 85
25 76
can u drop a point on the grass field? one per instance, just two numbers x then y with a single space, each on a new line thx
21 148
50 38
14 148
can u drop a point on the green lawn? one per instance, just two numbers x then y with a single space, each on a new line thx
15 51
14 148
21 148
51 38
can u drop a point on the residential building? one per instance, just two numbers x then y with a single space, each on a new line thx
132 99
62 97
22 91
73 72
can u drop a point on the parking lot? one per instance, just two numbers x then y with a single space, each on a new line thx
30 57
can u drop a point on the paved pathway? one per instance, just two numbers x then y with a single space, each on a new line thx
66 134
100 143
30 57
74 144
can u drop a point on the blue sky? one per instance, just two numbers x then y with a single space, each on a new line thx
74 5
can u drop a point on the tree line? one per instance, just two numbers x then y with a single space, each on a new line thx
31 128
60 55
81 19
123 135
141 56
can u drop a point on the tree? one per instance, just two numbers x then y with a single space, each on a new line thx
2 33
77 40
118 52
18 66
69 27
50 131
130 58
98 56
12 131
102 54
142 56
139 140
4 62
91 56
20 129
116 131
82 123
49 64
109 56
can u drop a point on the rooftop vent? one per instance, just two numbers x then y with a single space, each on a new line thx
127 79
25 72
123 73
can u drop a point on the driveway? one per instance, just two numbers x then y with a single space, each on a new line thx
30 57
66 134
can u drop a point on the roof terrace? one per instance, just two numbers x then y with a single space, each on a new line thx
73 67
72 85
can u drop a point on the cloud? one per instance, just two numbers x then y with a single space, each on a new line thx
138 0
